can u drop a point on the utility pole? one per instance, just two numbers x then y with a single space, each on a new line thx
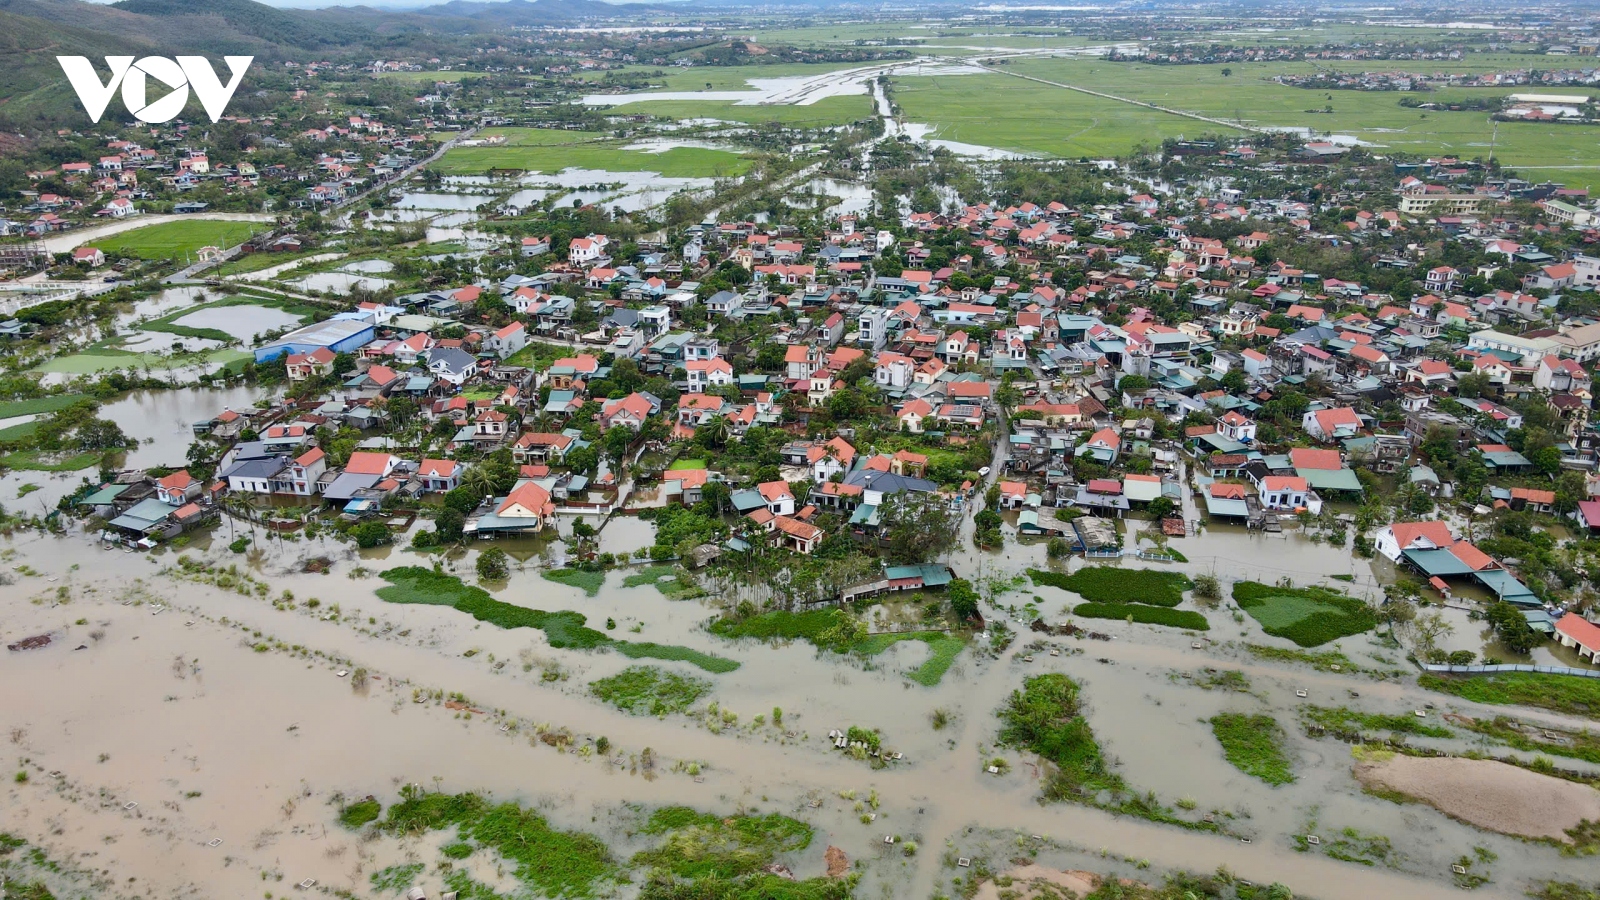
1493 136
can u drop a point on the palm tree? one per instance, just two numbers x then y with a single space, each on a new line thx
479 480
715 431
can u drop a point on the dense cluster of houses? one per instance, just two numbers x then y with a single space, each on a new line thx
128 174
1102 404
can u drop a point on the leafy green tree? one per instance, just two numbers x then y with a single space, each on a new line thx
915 527
963 599
449 524
493 565
1133 384
1512 628
370 534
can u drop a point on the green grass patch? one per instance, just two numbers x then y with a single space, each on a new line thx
18 431
828 629
1584 745
394 879
359 813
1046 717
38 461
942 652
716 665
672 583
1254 746
647 690
538 356
1309 616
177 239
553 863
836 630
588 582
1348 721
1144 615
35 405
649 575
1560 693
1222 680
1321 659
1564 890
686 464
1111 584
1012 113
697 845
564 629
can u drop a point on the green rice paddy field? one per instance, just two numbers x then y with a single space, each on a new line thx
174 240
551 150
1016 114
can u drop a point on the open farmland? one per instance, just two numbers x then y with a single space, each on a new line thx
1017 114
546 150
1013 114
174 240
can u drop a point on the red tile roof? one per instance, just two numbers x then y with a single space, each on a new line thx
1581 630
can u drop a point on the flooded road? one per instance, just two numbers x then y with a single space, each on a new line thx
256 738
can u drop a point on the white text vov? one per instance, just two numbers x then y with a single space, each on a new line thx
179 74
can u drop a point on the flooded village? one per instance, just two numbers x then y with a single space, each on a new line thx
475 497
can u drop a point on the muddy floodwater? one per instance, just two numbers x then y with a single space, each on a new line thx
223 718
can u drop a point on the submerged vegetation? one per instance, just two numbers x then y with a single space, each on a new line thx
565 629
1309 616
358 814
1187 619
692 854
1331 660
1254 746
838 631
1348 721
552 862
1046 717
1574 696
1111 584
647 690
1145 596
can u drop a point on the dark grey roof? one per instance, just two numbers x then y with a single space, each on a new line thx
257 467
888 482
453 359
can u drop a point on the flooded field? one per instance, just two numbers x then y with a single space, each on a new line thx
243 322
922 132
629 191
462 201
223 716
341 282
